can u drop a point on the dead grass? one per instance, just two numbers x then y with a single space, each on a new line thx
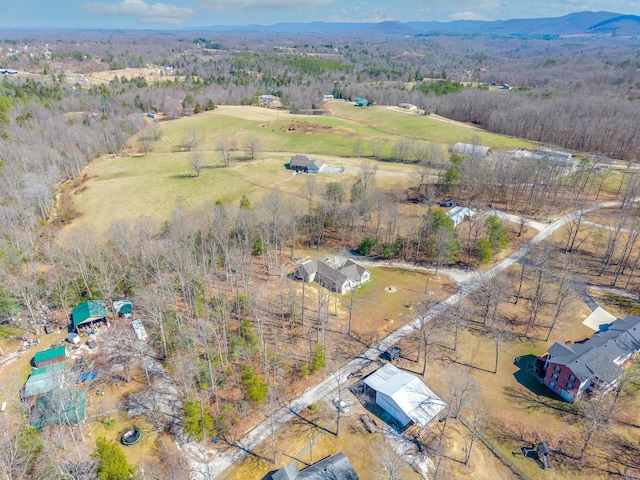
302 443
615 304
127 187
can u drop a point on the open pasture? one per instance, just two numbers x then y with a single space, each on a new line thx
134 185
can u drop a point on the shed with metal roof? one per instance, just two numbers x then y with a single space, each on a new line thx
404 396
89 311
50 356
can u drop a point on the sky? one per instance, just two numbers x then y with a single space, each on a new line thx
193 13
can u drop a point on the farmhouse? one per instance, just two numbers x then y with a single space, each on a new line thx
335 467
404 396
50 356
471 150
302 163
337 274
595 365
459 214
88 312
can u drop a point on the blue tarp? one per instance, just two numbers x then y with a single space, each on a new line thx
85 377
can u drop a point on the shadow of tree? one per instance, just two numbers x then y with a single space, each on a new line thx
553 404
183 176
526 377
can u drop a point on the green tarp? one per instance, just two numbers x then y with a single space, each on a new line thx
88 312
59 407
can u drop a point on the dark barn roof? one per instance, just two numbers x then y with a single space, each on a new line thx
335 467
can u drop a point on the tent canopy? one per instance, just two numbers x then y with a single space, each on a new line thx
123 306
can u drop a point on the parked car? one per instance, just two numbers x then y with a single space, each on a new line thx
340 405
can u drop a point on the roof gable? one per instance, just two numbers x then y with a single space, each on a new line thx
333 272
601 354
88 311
335 467
460 211
50 353
408 392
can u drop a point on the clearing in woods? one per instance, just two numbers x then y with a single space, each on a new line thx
133 185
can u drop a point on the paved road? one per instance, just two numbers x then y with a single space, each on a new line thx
220 460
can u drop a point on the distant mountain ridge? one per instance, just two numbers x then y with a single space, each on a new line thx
579 23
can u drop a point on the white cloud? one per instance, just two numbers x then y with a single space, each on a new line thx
157 13
467 15
230 6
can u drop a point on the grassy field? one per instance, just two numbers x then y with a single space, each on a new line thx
133 185
417 127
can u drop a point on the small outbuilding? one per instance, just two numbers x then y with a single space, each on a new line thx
361 102
404 396
50 356
73 338
471 150
89 311
42 381
123 306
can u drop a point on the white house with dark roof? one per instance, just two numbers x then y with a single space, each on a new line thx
595 365
459 214
302 163
404 396
337 274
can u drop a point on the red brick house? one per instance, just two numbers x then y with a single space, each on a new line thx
594 365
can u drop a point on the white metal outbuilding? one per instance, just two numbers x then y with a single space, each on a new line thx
404 396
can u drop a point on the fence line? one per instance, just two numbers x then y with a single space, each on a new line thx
499 455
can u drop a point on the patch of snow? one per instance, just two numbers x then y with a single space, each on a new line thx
407 451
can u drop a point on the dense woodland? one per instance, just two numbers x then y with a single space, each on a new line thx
233 341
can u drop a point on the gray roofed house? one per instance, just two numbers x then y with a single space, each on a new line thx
336 274
593 365
471 150
335 467
302 163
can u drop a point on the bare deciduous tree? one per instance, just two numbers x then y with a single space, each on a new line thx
252 146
